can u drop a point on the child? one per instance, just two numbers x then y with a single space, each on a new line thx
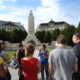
14 62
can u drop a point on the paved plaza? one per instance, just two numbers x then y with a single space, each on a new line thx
14 72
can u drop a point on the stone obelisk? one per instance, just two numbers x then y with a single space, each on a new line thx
31 38
31 30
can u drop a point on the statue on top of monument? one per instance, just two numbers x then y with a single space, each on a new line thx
30 10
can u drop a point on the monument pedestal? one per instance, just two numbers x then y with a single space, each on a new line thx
31 39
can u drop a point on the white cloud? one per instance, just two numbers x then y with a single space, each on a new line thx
16 15
2 7
53 9
49 9
49 3
42 14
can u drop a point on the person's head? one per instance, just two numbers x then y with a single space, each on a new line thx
43 47
14 55
29 50
21 46
3 45
61 39
76 37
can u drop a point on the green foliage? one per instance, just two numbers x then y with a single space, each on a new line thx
68 32
42 35
14 36
18 35
47 36
78 28
9 53
4 35
38 35
55 33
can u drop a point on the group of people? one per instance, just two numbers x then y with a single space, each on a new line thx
59 64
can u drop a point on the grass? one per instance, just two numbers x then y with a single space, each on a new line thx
53 49
49 50
9 53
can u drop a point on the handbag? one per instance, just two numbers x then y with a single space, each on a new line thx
76 76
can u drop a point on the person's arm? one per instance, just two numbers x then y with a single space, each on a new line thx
17 54
5 57
51 61
75 65
2 71
12 59
47 55
76 51
75 68
39 53
50 70
38 67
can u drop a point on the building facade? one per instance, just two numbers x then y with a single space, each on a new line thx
9 26
52 25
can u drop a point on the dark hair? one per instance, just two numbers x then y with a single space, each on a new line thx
61 39
3 42
77 35
20 45
29 49
43 45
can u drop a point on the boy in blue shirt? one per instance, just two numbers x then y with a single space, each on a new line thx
14 61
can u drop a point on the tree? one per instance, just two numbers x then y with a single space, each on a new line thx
47 36
38 35
68 32
78 28
4 35
14 36
42 35
55 33
18 35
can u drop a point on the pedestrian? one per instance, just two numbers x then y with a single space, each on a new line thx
30 65
62 61
20 54
76 48
5 58
2 69
14 63
43 53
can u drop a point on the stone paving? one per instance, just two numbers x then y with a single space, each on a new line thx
14 72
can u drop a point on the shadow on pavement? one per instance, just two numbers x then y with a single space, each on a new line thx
41 78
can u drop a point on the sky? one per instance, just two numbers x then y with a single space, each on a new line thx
43 11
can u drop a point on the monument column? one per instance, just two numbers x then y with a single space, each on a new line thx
31 31
31 38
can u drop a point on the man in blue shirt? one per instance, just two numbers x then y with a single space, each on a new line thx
43 53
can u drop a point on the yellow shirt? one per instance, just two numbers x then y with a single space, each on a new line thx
1 60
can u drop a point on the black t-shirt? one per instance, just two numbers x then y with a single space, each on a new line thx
76 50
21 55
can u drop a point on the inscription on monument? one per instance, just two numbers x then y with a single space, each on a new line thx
31 26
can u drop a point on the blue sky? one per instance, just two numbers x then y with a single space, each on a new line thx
43 11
